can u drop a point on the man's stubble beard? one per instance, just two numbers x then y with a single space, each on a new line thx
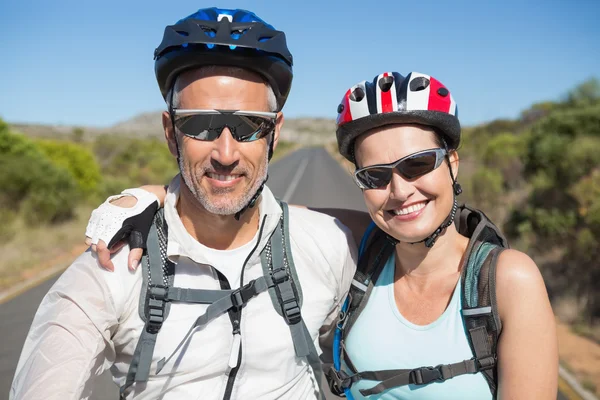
232 205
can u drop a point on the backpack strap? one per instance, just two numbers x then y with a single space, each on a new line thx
286 293
480 309
157 273
479 305
378 251
378 247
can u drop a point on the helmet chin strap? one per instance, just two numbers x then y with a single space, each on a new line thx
252 201
430 240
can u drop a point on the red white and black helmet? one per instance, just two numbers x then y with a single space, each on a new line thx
394 99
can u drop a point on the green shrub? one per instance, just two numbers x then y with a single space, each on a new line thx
32 184
487 187
77 159
139 161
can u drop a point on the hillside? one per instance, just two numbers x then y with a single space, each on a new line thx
306 131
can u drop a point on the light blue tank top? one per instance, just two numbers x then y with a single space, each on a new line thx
382 339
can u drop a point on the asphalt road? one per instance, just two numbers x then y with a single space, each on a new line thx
308 176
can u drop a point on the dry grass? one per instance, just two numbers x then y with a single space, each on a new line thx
34 248
581 356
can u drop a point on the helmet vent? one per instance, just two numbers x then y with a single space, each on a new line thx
208 31
265 38
418 84
183 33
385 83
357 94
237 33
443 92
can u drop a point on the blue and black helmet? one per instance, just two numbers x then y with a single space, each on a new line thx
214 36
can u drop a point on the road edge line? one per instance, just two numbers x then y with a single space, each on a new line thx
575 385
22 287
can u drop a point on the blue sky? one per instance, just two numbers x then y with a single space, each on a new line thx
90 62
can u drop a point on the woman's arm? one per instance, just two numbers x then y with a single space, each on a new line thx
527 348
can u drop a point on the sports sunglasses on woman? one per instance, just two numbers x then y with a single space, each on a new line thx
410 167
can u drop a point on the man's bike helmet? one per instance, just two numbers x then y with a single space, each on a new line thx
214 36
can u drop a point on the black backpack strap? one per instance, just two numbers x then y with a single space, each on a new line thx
378 250
480 311
417 376
368 270
157 272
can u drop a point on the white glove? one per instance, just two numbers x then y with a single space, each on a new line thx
112 223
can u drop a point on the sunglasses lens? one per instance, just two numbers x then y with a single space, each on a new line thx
209 127
410 167
375 177
417 165
251 128
200 127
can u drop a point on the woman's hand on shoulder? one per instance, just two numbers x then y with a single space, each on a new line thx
527 349
124 218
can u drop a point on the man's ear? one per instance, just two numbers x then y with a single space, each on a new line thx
278 125
169 133
454 162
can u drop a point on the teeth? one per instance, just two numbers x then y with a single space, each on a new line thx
409 209
224 178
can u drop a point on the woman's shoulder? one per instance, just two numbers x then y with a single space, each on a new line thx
515 267
518 279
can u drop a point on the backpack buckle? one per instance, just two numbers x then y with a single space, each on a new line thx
425 375
486 363
158 292
156 308
240 297
291 311
338 381
279 275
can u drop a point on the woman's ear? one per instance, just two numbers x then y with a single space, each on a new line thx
454 162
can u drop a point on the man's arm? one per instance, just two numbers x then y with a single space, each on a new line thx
356 221
70 338
527 348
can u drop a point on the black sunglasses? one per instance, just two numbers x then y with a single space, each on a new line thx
207 125
410 167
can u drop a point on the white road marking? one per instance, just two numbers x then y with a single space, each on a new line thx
295 180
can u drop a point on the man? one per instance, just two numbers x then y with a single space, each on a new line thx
219 219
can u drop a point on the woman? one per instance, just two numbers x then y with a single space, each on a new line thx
402 134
